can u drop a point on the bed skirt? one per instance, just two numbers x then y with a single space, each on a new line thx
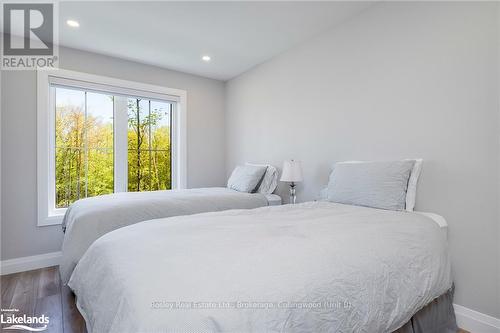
436 317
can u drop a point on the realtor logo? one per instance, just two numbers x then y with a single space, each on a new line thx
11 319
29 32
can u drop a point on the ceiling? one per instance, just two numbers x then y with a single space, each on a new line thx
175 35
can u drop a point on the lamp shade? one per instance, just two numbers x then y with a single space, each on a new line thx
292 171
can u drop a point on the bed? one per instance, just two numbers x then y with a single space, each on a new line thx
310 267
88 219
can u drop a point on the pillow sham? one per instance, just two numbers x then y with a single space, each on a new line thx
270 180
411 193
245 178
381 185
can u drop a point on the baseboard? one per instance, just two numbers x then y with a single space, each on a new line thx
29 263
476 322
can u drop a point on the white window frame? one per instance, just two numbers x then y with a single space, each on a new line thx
47 213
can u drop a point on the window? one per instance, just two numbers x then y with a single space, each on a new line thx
98 135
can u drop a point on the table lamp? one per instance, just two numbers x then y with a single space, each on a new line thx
292 173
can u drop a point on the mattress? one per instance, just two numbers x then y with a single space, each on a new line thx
440 221
88 219
308 267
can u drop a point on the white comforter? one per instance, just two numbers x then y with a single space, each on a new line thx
88 219
312 267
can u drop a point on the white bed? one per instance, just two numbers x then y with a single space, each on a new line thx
88 219
374 268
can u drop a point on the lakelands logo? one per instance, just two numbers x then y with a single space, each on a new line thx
30 32
21 322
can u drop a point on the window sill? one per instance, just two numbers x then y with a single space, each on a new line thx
51 220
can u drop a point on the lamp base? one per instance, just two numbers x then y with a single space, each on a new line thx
293 197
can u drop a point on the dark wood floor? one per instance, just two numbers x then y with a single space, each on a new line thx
40 292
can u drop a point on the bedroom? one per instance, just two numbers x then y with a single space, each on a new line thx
232 83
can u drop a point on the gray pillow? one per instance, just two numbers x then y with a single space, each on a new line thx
373 184
245 178
269 181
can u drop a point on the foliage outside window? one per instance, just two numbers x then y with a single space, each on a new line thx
85 137
149 158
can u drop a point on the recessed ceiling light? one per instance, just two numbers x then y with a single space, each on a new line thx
73 23
206 58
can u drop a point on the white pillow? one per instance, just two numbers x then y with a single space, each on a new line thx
269 181
245 178
411 192
372 184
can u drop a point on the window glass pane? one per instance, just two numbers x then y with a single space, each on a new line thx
160 129
100 172
148 145
160 146
137 129
138 170
99 120
70 118
84 145
70 176
161 170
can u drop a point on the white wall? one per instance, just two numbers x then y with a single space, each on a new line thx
400 80
20 235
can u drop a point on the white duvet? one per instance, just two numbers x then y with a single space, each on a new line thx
88 219
312 267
